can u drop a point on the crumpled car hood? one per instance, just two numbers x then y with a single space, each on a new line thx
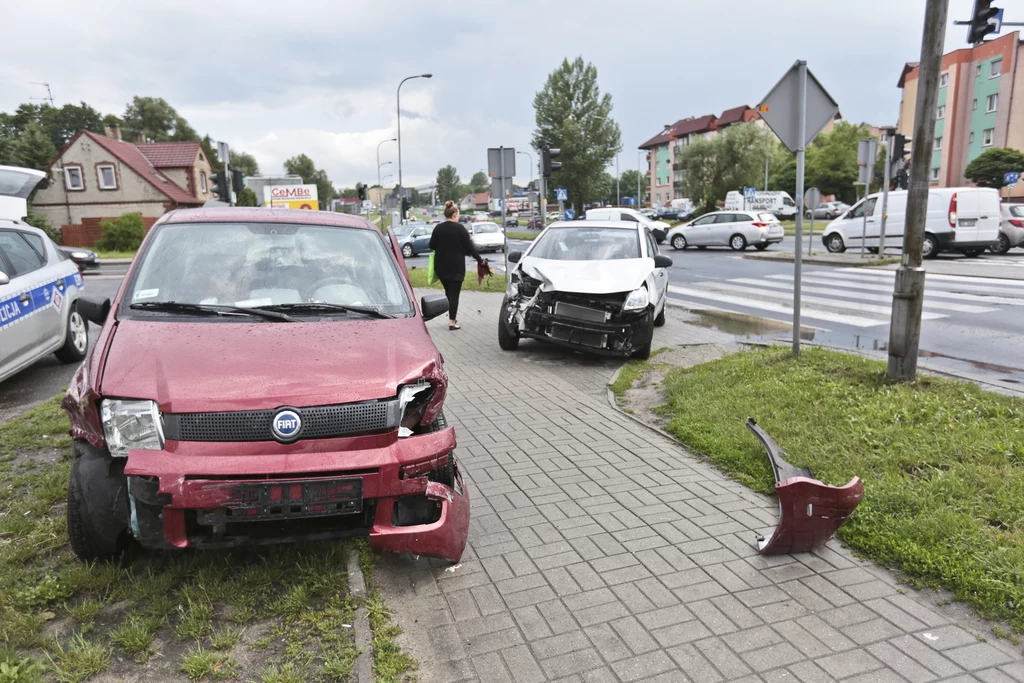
588 277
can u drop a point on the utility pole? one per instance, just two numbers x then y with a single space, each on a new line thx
618 194
908 293
767 143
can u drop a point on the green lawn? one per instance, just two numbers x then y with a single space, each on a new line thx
494 283
523 235
942 461
115 254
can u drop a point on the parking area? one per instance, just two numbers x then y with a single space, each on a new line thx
600 550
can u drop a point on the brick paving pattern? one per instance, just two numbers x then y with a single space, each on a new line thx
602 551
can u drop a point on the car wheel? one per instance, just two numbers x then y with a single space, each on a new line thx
738 242
760 247
834 243
97 505
507 340
872 250
644 352
929 247
808 215
679 242
973 253
1003 246
76 338
659 320
659 236
407 251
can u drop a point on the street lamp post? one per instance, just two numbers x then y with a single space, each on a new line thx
527 155
380 187
398 107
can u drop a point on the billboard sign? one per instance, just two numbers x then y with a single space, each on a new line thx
291 197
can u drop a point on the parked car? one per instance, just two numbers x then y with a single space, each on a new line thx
658 228
511 222
417 240
1011 228
734 229
487 237
675 213
85 259
773 201
215 409
827 211
535 224
596 286
963 219
649 212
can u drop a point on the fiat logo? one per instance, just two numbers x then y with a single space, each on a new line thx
286 425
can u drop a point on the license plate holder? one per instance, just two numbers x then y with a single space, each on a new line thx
968 222
277 500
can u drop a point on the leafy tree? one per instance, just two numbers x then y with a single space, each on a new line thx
157 120
349 193
480 182
730 161
628 183
245 197
987 169
303 166
38 220
572 115
210 150
63 123
831 163
33 148
448 185
244 162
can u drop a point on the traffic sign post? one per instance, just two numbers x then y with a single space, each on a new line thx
812 200
501 166
867 152
749 195
570 215
561 195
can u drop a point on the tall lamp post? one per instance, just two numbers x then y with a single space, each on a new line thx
380 190
398 107
527 155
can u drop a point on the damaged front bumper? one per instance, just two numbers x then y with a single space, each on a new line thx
406 495
593 323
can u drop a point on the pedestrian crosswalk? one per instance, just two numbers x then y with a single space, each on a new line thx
1010 259
855 297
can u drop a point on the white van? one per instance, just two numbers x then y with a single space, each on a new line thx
616 213
964 219
773 201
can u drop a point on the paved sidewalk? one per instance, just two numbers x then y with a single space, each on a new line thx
601 551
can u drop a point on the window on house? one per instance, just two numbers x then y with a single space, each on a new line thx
202 181
986 137
942 112
970 139
938 143
73 178
107 177
978 71
974 105
935 174
996 69
943 80
991 102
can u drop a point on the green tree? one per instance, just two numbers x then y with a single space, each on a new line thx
572 115
33 148
832 161
449 188
123 233
730 161
157 120
628 183
245 197
303 166
480 182
244 162
63 123
987 169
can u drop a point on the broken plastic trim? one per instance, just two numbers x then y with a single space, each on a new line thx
810 511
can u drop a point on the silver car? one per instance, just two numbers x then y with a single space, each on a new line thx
1011 228
39 291
734 229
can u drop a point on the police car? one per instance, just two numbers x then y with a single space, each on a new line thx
39 286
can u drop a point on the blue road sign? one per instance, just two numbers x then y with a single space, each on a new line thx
561 196
569 213
629 201
750 193
1011 178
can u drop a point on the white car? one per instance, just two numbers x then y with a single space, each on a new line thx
1011 228
595 286
487 236
735 229
658 228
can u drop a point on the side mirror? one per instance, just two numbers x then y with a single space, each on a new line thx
94 311
433 305
662 261
4 280
514 256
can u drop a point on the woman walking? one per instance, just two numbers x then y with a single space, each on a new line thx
451 244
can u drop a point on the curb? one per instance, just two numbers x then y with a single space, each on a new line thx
818 261
362 667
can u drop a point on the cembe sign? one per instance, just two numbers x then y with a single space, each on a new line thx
291 197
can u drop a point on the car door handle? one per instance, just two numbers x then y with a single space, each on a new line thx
25 298
60 284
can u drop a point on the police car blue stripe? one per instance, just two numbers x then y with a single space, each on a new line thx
12 309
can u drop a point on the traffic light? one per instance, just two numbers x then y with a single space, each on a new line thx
237 179
899 147
547 165
361 191
219 186
982 22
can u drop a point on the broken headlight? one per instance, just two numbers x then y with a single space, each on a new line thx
131 425
412 404
637 299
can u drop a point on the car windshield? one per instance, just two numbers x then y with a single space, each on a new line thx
253 265
485 227
587 244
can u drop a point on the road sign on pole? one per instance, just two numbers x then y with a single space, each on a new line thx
750 193
1011 178
501 162
796 110
561 195
570 215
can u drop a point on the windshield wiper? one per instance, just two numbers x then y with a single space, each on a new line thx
324 307
210 309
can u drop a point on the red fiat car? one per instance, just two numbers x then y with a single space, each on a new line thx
264 376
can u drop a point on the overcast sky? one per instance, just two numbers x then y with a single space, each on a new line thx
281 78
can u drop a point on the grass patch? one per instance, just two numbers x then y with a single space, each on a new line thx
522 235
494 283
115 254
196 604
631 372
942 461
390 664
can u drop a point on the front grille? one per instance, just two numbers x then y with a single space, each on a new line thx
574 335
318 422
584 313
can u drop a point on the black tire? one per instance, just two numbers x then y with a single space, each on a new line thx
659 321
659 235
835 244
644 352
738 242
973 253
97 504
506 339
872 250
760 247
930 246
1003 246
76 338
407 251
807 215
679 242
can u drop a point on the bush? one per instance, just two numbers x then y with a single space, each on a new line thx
38 220
122 234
